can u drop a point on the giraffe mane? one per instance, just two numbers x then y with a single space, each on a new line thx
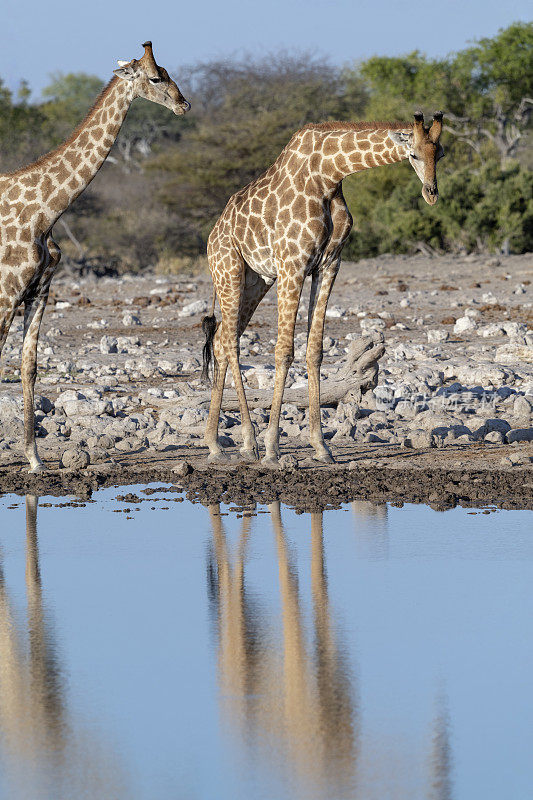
379 125
60 148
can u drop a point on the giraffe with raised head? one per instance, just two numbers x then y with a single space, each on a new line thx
289 223
33 198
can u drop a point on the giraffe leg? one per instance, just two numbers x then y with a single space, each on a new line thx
229 297
254 290
314 360
7 314
289 291
211 429
33 314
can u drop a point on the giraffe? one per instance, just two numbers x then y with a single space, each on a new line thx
289 223
33 198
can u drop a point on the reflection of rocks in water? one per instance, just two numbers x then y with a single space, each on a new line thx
371 529
288 694
43 754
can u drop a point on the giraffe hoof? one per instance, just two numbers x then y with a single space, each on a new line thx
250 455
324 458
37 468
218 458
272 462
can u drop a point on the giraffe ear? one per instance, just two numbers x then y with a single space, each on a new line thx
125 71
401 138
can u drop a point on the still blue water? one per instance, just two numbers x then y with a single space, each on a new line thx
173 651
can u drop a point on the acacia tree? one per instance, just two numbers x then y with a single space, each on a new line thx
22 128
496 76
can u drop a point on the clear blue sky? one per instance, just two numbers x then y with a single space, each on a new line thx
68 35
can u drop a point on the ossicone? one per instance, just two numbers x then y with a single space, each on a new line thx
148 61
436 127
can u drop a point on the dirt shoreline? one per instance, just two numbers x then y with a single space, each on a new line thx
461 475
451 420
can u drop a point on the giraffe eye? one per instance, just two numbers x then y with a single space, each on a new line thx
155 80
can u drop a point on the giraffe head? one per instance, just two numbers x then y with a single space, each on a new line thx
152 82
425 150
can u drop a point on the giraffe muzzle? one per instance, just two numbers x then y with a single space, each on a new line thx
182 108
430 193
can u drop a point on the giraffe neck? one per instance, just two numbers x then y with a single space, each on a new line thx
348 150
65 172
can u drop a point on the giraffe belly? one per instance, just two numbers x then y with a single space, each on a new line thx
265 266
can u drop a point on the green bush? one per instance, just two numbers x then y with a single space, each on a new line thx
486 209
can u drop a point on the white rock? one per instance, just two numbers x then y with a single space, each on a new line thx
261 377
515 353
418 439
82 408
335 312
493 329
108 344
75 458
495 437
522 407
406 352
437 335
128 344
182 468
384 397
169 367
198 307
372 324
130 319
10 409
514 330
192 417
98 324
482 374
464 324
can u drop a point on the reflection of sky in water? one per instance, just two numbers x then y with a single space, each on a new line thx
379 653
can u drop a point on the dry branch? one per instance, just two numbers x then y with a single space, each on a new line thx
358 375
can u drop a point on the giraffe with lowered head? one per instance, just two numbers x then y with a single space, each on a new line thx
33 198
289 223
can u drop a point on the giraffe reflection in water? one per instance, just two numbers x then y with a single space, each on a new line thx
371 529
292 697
43 752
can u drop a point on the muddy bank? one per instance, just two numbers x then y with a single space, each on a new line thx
119 388
456 476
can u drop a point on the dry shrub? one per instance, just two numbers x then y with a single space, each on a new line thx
178 265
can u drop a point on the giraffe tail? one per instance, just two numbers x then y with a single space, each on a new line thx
209 327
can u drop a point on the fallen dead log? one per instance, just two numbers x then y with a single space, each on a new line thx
358 375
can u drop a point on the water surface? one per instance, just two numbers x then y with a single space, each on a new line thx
178 651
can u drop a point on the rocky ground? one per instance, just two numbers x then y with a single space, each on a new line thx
119 362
